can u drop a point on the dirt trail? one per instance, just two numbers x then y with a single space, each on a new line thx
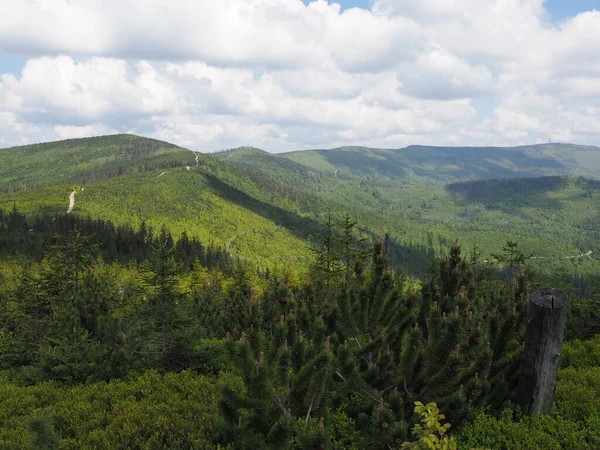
579 256
551 257
71 202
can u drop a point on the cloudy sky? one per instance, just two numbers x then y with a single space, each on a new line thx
293 74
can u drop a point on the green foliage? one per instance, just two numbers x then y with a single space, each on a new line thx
432 434
161 272
581 354
261 207
381 347
578 393
437 165
511 255
552 216
513 431
177 410
336 360
575 418
43 434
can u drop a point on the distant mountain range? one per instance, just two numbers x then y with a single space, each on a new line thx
426 165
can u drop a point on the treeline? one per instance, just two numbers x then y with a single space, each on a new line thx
121 244
127 163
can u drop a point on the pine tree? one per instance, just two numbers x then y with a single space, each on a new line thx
327 268
385 348
162 273
43 434
352 250
286 375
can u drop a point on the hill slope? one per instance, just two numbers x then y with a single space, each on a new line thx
84 160
180 199
552 216
426 165
266 208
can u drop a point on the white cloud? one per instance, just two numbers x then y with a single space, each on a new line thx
71 131
442 75
283 75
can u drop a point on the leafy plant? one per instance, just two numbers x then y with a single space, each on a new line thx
432 434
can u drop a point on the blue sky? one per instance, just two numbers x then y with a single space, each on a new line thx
559 9
269 74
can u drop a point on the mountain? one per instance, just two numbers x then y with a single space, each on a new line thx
267 208
426 165
86 159
532 194
129 180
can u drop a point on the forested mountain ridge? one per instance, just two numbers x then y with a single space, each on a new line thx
552 216
84 160
430 165
267 207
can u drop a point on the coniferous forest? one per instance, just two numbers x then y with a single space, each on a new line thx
121 332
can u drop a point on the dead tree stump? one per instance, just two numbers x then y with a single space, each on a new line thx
546 318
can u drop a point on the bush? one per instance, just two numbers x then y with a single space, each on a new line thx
578 393
176 410
581 354
511 431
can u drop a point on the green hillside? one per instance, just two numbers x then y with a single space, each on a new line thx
84 160
180 199
266 208
426 165
554 217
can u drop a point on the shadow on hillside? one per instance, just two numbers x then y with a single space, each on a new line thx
479 162
412 260
301 226
508 196
443 164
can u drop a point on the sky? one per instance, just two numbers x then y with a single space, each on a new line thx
295 74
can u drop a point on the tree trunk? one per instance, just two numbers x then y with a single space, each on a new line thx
386 250
546 318
163 312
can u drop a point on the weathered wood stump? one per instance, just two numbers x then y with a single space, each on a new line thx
546 318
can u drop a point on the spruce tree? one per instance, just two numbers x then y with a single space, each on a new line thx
162 273
43 434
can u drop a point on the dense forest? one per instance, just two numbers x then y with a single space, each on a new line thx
249 301
105 329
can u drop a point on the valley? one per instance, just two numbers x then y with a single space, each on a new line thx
266 207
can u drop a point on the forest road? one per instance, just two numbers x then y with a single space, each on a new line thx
71 202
